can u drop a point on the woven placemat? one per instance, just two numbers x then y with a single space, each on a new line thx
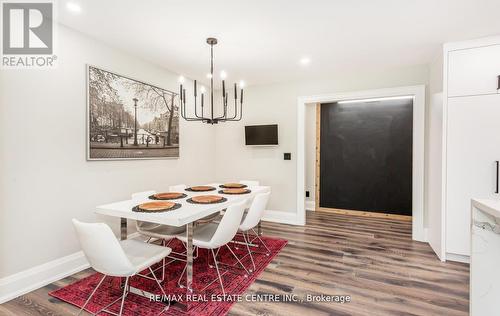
200 188
138 208
221 200
168 196
233 186
235 191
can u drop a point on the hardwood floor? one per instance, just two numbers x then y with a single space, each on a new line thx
373 260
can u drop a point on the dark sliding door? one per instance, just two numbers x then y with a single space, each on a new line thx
366 156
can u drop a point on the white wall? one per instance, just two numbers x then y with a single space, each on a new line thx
277 103
45 178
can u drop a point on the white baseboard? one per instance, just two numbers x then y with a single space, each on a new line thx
39 276
29 280
456 257
281 217
310 205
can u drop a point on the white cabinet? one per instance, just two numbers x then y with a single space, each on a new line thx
473 71
473 147
471 136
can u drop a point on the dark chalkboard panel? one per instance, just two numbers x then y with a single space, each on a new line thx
366 156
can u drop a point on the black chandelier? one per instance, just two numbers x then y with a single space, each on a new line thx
235 116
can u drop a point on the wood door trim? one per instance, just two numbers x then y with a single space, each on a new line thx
364 213
318 150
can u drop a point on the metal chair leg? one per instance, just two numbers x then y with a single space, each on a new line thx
218 273
161 288
208 260
126 290
249 252
124 295
241 264
262 242
91 294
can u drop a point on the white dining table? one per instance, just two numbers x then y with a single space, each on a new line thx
186 215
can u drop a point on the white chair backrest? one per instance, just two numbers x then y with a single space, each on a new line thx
177 188
140 196
256 211
228 226
102 249
250 183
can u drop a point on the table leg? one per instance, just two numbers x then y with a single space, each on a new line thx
189 254
123 228
259 228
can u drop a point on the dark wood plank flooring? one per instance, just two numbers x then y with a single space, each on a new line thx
373 260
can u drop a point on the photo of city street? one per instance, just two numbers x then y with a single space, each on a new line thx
129 119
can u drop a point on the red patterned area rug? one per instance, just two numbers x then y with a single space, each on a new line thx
206 302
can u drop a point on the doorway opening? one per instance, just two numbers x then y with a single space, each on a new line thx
304 186
364 157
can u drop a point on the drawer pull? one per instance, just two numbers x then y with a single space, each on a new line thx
487 226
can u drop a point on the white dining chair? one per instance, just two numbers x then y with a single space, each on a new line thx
164 233
249 183
212 236
206 219
153 230
251 220
112 258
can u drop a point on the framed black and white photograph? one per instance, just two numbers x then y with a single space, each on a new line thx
129 119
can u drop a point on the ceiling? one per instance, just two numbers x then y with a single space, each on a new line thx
262 41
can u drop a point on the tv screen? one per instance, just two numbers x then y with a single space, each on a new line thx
261 134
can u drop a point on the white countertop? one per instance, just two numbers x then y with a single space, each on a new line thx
491 207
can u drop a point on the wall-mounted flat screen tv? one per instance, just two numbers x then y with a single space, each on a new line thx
261 134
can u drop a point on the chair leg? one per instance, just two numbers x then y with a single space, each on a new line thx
249 252
124 295
126 290
238 259
208 260
218 273
92 294
161 288
262 242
